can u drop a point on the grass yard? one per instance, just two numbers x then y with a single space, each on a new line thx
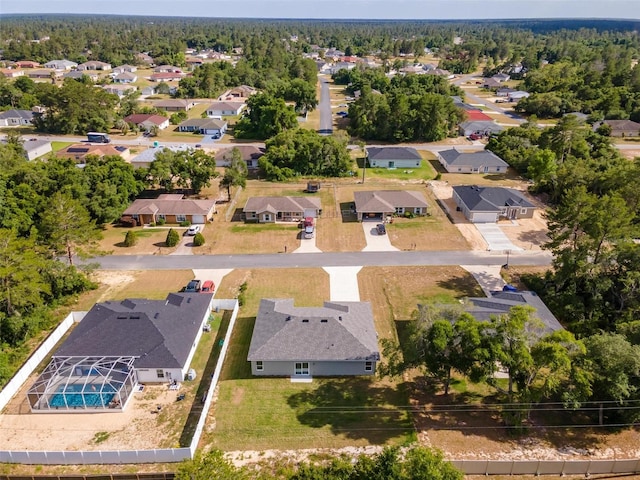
57 146
424 172
150 240
151 284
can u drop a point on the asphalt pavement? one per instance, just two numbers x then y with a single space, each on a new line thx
312 260
326 116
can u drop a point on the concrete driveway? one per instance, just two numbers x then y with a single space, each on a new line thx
214 274
308 245
487 276
375 242
343 284
495 237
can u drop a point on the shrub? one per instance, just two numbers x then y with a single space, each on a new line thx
161 221
241 296
186 223
408 215
198 240
130 239
438 176
172 238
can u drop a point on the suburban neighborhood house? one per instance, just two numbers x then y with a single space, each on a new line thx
338 338
480 127
622 128
281 209
471 162
15 118
248 153
172 208
174 105
205 126
80 151
118 345
393 157
36 148
489 204
238 93
146 121
224 109
379 204
499 303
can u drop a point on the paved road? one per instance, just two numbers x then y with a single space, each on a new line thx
326 116
344 259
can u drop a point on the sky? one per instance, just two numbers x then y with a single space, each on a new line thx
336 9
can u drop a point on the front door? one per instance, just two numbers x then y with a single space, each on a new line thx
267 217
301 368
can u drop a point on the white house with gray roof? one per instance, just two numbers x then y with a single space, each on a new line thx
480 127
281 209
489 204
116 346
484 161
378 204
16 118
61 64
336 339
393 157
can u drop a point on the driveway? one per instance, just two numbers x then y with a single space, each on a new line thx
185 247
308 245
343 284
495 237
214 274
487 276
375 242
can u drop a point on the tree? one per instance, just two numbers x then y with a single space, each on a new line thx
173 238
542 167
130 239
198 240
209 466
67 228
265 117
235 175
303 93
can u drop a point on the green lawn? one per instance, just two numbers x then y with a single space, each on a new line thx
57 146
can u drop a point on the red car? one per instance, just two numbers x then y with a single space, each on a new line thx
475 136
207 287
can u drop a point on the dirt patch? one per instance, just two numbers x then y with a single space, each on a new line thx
527 233
238 395
113 281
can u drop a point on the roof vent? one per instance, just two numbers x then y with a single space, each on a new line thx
288 317
340 318
157 314
121 317
135 317
305 320
324 320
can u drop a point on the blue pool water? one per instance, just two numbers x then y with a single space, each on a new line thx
73 396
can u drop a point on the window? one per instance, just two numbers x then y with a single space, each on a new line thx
497 169
417 210
160 373
523 211
181 218
368 366
135 216
301 368
259 366
399 210
161 216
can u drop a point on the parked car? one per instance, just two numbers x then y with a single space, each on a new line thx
380 228
342 114
308 232
215 136
208 287
475 136
193 229
193 286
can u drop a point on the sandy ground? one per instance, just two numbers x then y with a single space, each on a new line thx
134 428
113 280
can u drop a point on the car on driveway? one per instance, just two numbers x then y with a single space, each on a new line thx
381 229
308 232
208 287
193 286
342 114
193 229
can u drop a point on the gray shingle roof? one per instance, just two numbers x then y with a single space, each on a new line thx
393 153
482 126
281 204
500 302
388 200
484 158
170 206
159 332
337 331
490 199
22 114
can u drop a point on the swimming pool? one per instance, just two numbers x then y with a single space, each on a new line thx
83 395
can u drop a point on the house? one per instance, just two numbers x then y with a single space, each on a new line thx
144 58
166 77
518 95
481 127
36 148
16 118
499 303
505 91
224 109
205 126
119 90
379 204
145 158
393 157
146 121
237 94
80 151
11 72
61 64
94 65
167 69
622 128
440 72
490 83
194 62
147 91
172 208
26 64
281 209
125 77
489 204
40 74
458 102
79 75
118 345
484 161
174 105
336 339
501 77
336 67
248 153
125 69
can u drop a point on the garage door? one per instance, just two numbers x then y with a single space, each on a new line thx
487 217
197 218
310 212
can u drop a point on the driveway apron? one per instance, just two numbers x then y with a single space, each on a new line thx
495 237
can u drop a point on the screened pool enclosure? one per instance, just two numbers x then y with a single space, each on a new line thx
88 384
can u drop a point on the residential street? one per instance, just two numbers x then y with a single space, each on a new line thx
344 259
326 117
